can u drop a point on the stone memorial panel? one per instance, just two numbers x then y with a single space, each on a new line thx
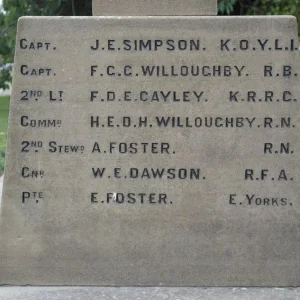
154 7
153 151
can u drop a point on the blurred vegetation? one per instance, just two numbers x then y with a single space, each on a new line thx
4 106
261 7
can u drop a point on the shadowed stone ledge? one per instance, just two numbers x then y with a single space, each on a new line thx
147 293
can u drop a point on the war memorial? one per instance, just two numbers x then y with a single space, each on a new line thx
153 145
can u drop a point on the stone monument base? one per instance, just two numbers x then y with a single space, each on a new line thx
147 293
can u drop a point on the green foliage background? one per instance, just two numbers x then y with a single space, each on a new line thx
4 106
13 9
276 7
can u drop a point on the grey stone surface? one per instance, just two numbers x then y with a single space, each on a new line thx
146 293
154 7
71 228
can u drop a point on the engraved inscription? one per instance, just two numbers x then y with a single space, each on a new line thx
153 151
